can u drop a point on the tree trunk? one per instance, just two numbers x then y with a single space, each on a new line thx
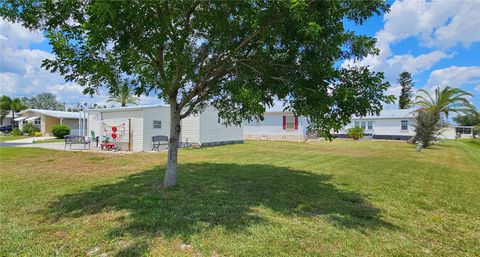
171 171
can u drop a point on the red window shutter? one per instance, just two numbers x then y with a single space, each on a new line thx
284 122
296 122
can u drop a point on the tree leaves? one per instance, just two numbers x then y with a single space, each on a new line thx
240 56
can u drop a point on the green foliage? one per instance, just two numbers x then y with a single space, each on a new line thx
445 101
239 56
60 131
356 133
476 130
37 134
470 119
122 94
46 101
16 132
427 127
30 129
8 104
406 82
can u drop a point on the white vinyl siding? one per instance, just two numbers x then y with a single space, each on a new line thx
161 113
211 131
190 129
384 126
122 116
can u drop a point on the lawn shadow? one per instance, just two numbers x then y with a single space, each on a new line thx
211 194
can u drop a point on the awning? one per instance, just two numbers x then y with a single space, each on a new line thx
32 118
20 119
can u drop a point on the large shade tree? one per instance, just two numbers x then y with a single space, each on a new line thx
238 56
45 101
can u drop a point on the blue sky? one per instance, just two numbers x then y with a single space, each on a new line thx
437 41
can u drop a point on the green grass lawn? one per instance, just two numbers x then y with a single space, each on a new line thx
10 138
340 198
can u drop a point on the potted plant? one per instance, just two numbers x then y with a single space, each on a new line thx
356 133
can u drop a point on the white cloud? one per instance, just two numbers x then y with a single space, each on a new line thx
454 76
414 65
464 28
434 23
13 35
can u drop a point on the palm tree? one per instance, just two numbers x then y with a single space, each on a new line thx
445 101
14 105
123 95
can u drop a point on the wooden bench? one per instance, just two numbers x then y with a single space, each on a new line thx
157 141
76 140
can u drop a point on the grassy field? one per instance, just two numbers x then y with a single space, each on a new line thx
338 198
10 138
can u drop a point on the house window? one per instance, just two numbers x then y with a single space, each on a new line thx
370 125
404 124
464 131
157 124
37 121
290 122
357 123
24 122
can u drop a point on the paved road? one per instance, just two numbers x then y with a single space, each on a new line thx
8 144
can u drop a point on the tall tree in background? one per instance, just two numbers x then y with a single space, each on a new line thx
406 82
123 94
238 56
14 105
45 101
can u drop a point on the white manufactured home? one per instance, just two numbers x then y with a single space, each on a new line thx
285 126
278 126
389 124
134 127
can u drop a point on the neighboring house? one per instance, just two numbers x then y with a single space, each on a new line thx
285 126
277 125
6 120
44 120
395 124
389 124
454 132
135 126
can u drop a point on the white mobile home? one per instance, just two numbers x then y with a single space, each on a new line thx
135 126
278 126
389 124
285 126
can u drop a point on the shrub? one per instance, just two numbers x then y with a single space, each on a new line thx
60 131
427 128
38 134
16 132
476 130
29 129
356 133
